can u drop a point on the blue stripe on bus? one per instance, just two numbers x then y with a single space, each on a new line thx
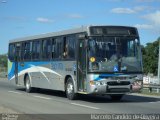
21 68
101 76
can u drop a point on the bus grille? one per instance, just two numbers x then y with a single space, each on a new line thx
115 83
118 90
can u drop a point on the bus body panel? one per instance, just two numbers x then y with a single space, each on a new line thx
48 75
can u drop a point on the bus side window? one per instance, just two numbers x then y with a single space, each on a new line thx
27 50
57 48
53 47
65 48
46 49
69 47
11 52
36 50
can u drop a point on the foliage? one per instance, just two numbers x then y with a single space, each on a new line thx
150 57
3 61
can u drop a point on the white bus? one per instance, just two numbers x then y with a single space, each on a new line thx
100 60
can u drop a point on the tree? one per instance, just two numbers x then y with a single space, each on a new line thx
150 57
3 61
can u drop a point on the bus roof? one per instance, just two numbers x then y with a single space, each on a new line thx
64 32
52 34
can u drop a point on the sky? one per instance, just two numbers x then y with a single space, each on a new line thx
21 18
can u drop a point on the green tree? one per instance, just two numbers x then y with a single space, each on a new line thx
150 57
3 61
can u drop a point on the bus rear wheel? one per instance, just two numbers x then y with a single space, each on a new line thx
71 95
28 85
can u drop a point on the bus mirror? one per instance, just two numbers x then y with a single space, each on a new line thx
81 36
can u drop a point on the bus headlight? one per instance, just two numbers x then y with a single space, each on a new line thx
97 82
94 82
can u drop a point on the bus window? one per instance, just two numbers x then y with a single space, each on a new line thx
36 50
70 44
18 52
69 47
11 52
53 48
57 48
26 51
65 48
46 48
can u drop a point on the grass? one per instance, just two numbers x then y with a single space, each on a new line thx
146 91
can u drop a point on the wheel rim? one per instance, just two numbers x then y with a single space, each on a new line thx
69 88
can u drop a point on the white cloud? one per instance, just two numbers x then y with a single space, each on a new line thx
3 1
154 18
44 20
129 10
123 10
141 8
153 24
144 26
75 16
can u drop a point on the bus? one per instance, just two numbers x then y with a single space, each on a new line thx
97 60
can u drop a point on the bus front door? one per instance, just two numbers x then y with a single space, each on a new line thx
81 75
16 62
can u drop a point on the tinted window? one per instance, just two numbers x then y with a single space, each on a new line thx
53 48
11 52
69 46
36 50
26 51
57 48
46 49
17 52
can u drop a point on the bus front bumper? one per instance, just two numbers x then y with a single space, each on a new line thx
115 88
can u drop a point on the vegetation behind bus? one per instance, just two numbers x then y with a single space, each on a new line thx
3 65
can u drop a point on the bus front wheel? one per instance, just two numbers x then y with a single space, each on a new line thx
28 84
71 95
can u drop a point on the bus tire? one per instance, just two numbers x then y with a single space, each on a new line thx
116 97
28 85
71 95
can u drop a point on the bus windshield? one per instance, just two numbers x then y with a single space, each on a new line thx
114 54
